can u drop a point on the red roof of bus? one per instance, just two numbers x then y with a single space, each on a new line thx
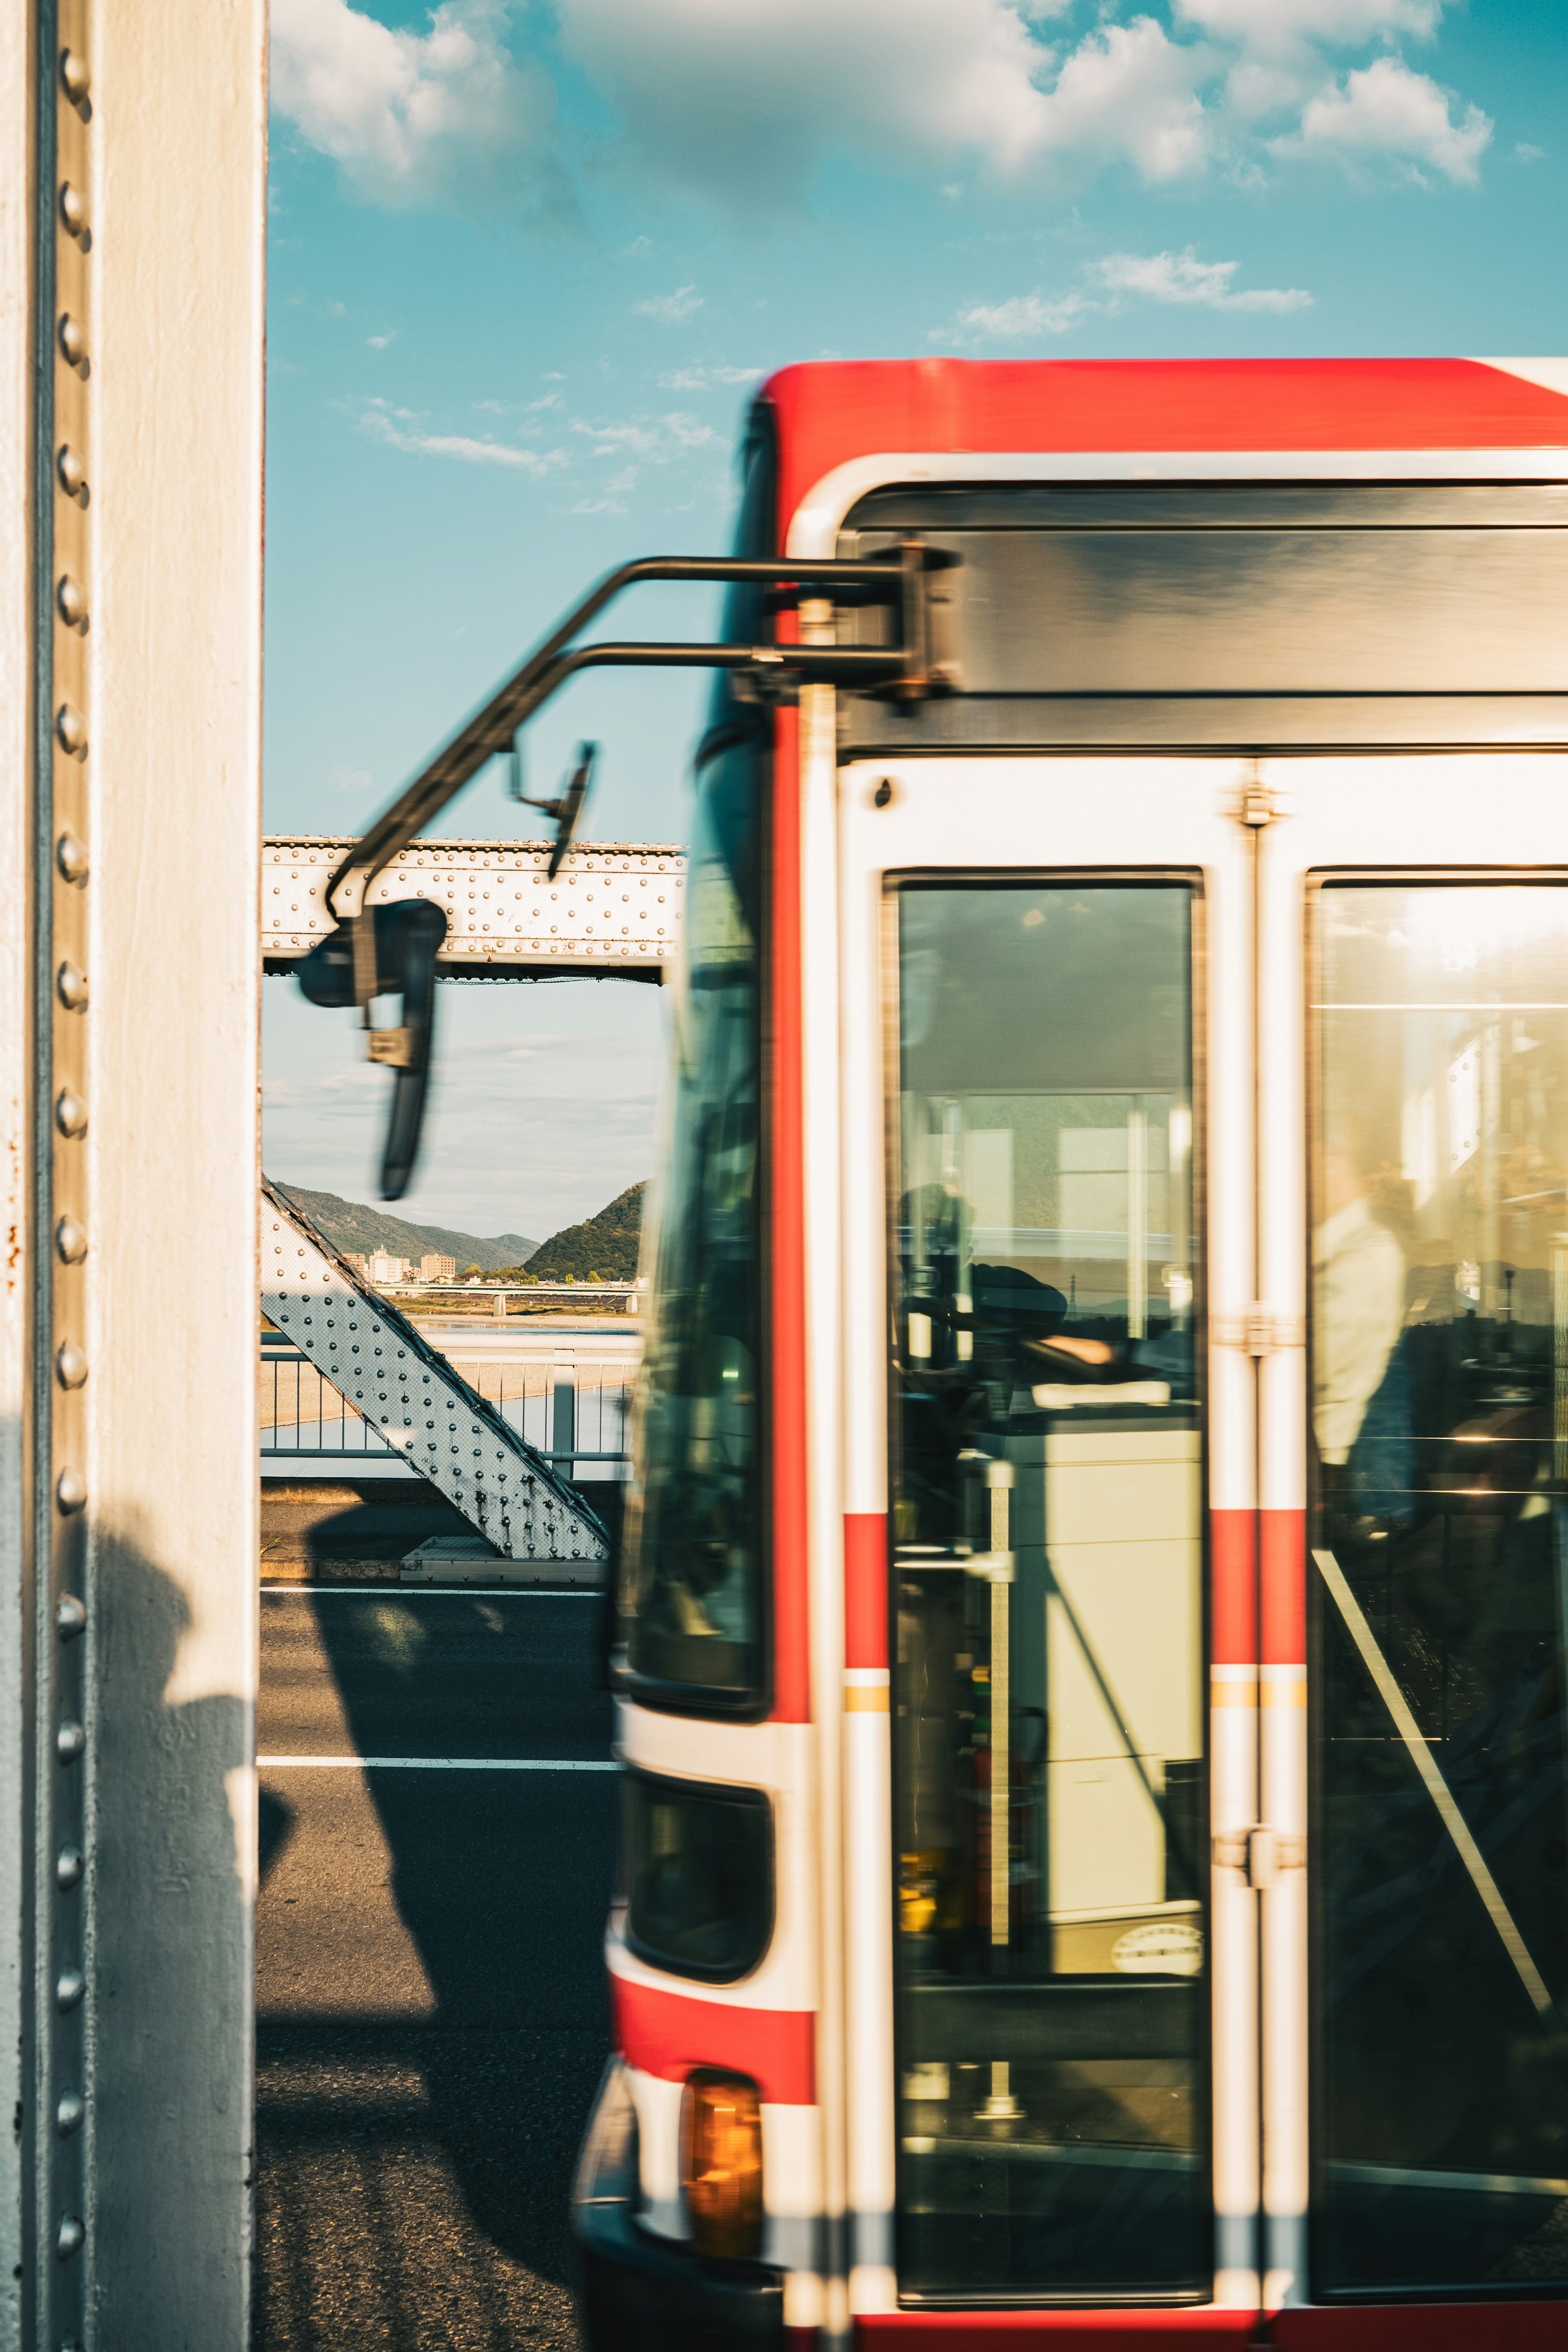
836 410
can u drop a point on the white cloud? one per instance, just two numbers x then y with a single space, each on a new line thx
446 118
397 428
669 308
741 99
380 342
708 379
1272 25
1130 92
1387 111
1183 277
1525 153
1179 278
654 439
1023 314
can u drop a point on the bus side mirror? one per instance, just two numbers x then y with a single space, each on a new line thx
407 937
567 807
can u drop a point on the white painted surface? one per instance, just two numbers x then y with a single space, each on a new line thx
612 903
15 1086
178 206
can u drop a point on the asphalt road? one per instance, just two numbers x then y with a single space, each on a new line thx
430 2005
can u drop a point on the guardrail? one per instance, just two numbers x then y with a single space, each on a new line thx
409 1297
571 1409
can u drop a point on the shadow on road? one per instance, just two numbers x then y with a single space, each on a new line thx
419 2112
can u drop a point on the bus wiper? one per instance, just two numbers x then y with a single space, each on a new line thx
919 664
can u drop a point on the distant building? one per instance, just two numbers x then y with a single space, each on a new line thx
385 1271
355 1258
435 1268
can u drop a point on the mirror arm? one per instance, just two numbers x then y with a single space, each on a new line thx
904 670
348 966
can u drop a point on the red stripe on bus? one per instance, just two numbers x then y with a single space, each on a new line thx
1365 2327
669 2033
865 1589
1233 1588
785 1240
832 412
941 2331
1283 1611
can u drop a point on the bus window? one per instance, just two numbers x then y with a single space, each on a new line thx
1440 1548
1049 1690
691 1601
700 1875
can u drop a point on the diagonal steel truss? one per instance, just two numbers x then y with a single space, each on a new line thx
411 1395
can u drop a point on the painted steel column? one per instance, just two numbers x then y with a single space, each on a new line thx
18 442
130 412
180 101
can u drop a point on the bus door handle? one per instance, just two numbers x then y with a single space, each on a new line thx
1261 1853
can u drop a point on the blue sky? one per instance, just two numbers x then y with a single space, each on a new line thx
526 262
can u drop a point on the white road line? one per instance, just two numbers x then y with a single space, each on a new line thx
429 1764
450 1592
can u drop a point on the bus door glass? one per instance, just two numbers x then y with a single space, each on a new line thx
1438 1551
1046 1566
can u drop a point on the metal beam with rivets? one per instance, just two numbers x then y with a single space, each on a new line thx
614 906
410 1394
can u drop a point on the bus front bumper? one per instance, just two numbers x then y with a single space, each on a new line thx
643 2293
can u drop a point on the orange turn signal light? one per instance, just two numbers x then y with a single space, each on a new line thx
722 2162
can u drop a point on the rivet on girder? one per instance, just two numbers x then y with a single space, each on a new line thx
70 856
71 471
70 1242
70 2114
70 1490
71 1112
70 1364
70 985
69 1987
72 2237
73 339
70 598
70 1741
71 728
74 75
70 1617
73 208
69 1868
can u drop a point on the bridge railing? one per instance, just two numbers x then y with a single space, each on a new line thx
573 1406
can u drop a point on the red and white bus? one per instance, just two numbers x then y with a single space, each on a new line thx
1092 1625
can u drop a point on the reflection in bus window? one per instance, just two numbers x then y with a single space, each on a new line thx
1049 1686
691 1600
1440 1582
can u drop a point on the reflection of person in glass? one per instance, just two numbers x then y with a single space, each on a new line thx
1360 1406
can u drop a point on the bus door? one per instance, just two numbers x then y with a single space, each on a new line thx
1413 1068
1206 1316
1051 1260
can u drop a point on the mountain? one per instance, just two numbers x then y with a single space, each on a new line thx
606 1244
351 1225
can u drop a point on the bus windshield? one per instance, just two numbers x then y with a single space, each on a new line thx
690 1601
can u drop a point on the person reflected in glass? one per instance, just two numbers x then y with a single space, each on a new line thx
1361 1410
